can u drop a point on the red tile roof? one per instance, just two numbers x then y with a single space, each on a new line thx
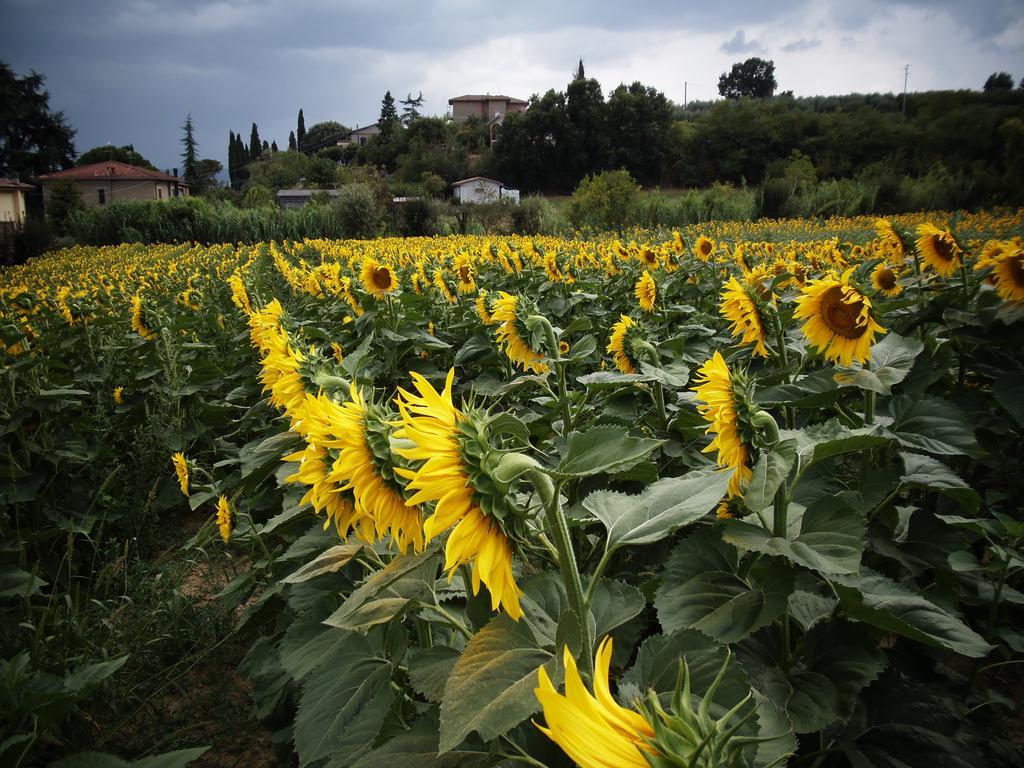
111 169
486 97
7 184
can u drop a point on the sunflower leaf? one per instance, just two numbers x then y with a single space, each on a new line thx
891 361
926 472
490 688
831 538
702 589
874 599
603 450
662 508
769 473
932 425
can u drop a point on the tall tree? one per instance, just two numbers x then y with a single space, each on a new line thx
232 159
579 73
189 157
389 121
322 135
266 146
255 146
411 108
291 141
300 133
273 146
754 77
125 154
33 140
999 81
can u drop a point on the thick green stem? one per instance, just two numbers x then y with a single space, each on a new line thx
658 390
869 407
549 496
780 340
779 530
556 355
601 565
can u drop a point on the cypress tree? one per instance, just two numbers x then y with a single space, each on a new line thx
300 133
232 159
273 146
291 141
266 146
255 147
189 155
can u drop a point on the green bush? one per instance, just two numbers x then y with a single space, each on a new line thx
358 213
532 216
607 200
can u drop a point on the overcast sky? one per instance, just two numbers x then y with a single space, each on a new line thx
128 71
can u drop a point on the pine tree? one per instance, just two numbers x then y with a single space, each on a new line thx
300 133
232 159
389 121
411 107
273 146
254 142
292 146
189 155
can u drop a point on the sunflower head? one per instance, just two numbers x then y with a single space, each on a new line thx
726 404
378 279
622 344
704 248
452 467
592 728
510 312
180 469
885 280
465 273
646 292
838 319
744 308
1009 274
224 518
939 249
119 395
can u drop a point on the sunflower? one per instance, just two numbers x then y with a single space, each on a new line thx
181 470
436 429
648 257
224 518
482 309
703 248
119 395
239 296
593 729
939 249
677 242
742 310
360 432
838 319
646 292
326 496
511 334
138 324
442 287
891 241
885 279
378 279
1009 274
466 273
619 344
719 406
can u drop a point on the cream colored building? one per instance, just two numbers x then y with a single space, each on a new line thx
112 181
359 136
12 201
484 106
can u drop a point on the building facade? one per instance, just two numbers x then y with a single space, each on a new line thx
484 107
111 181
12 202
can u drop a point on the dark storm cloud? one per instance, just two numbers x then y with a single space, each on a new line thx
128 71
738 43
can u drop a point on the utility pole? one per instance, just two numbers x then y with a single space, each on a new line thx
906 74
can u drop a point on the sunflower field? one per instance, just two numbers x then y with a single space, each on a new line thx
740 495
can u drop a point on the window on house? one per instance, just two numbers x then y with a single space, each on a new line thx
159 193
103 196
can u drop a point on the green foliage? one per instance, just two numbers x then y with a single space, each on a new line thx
604 201
754 78
358 212
64 198
125 154
321 135
998 81
190 158
33 140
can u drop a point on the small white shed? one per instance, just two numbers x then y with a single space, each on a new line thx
480 189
